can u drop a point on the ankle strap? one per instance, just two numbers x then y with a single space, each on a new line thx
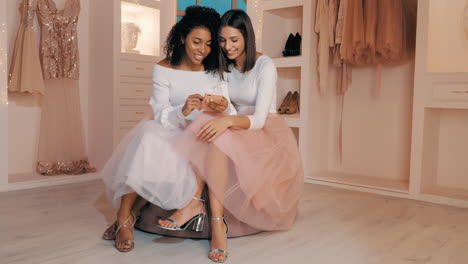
217 218
198 199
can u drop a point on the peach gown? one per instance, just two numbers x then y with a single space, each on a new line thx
25 71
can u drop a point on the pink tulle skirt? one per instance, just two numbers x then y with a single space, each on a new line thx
256 174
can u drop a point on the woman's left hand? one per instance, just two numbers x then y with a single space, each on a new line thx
220 106
213 129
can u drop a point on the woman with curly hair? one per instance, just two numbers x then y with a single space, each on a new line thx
144 164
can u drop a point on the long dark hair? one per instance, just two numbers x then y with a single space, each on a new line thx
238 19
195 16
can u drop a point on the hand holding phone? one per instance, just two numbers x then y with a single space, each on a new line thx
214 102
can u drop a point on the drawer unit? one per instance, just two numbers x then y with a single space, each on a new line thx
136 69
134 112
124 128
133 88
450 91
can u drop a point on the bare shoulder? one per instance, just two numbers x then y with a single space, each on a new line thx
165 63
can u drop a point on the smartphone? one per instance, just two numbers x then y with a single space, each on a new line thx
216 98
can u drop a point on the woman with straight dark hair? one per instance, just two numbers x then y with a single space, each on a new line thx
145 164
251 161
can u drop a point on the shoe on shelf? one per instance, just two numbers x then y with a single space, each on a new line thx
285 103
195 223
218 250
289 45
296 49
293 106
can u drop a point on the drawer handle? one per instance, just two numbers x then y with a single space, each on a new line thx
460 92
140 68
140 91
139 113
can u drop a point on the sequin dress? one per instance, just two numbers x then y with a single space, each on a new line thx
25 72
62 148
59 39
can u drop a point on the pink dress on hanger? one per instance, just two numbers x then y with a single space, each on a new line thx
62 148
25 71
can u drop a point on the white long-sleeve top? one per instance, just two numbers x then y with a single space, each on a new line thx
254 91
171 88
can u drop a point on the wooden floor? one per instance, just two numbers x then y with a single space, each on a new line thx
63 224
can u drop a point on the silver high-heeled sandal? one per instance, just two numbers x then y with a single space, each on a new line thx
218 250
195 222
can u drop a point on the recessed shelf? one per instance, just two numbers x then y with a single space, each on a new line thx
293 120
285 62
371 146
445 153
140 29
295 131
277 25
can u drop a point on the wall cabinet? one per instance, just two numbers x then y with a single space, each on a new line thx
279 19
408 142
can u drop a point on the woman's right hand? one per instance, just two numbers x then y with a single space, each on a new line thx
194 101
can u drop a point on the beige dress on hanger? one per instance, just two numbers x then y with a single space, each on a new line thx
62 148
25 72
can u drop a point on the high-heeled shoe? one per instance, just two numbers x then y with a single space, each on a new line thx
218 250
196 222
128 225
296 49
109 234
285 102
293 106
289 45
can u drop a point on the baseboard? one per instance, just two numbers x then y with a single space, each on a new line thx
50 181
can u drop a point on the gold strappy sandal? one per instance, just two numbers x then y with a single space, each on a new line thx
109 234
128 225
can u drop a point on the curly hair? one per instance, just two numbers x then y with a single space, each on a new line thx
195 16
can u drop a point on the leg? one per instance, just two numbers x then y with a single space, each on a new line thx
139 203
126 219
218 231
183 215
218 171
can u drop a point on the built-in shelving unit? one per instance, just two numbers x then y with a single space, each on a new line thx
280 18
408 142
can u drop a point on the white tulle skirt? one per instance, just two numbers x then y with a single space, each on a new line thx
145 163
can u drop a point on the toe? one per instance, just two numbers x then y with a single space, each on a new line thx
212 256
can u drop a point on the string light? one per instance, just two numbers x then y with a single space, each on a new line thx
3 63
258 26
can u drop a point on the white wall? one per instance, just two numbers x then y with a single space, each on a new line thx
447 42
3 98
24 111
